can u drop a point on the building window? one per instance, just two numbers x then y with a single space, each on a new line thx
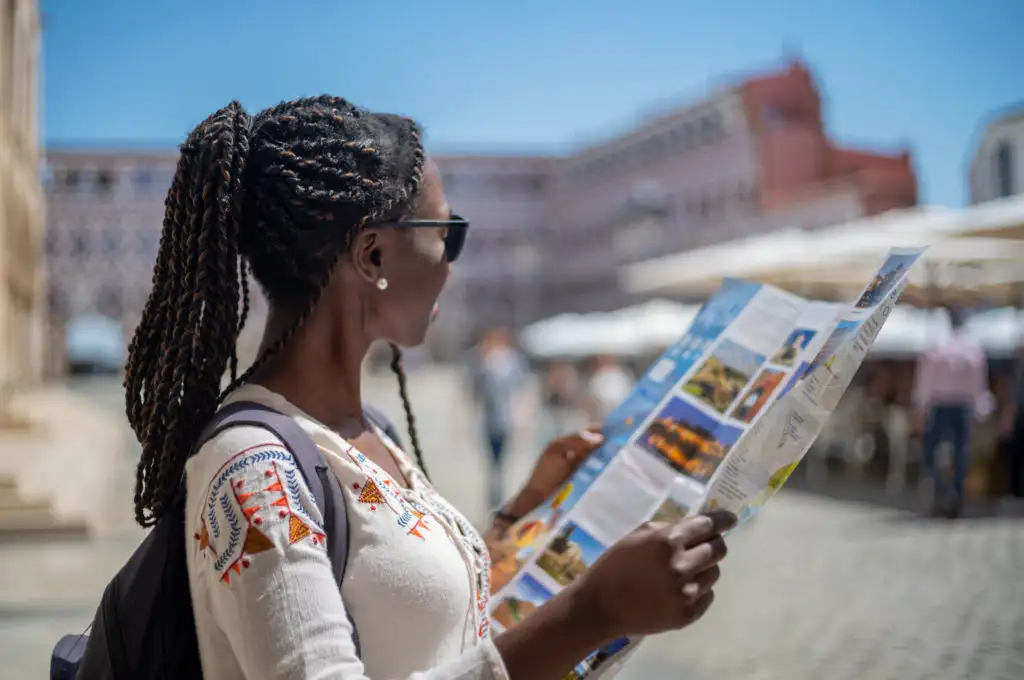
72 179
706 207
57 300
111 240
52 242
79 245
1004 170
149 241
109 302
142 178
105 181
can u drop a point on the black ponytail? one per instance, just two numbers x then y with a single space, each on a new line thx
410 420
283 193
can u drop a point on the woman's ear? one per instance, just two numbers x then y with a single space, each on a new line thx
366 255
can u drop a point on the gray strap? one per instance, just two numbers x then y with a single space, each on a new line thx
322 482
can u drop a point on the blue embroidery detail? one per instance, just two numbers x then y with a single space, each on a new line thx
404 519
294 488
292 481
246 461
234 536
211 522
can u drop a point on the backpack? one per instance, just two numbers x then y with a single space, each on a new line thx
144 627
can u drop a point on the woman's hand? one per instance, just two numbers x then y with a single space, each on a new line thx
559 460
658 578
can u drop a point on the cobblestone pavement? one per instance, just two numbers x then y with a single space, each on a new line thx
812 589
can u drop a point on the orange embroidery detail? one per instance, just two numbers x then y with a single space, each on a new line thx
420 523
256 542
297 529
203 537
371 493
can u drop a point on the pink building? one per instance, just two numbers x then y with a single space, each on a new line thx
752 158
549 233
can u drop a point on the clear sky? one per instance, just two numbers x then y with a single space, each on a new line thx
530 76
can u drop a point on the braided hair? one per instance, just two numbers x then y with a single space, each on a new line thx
280 194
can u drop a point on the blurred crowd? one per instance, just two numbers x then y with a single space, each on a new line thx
946 423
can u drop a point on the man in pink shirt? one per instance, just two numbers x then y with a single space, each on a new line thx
951 390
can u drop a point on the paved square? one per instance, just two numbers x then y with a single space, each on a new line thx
813 589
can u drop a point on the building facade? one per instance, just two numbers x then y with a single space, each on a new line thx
997 164
495 282
103 224
752 158
22 282
549 233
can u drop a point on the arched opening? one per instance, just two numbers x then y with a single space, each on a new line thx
1004 170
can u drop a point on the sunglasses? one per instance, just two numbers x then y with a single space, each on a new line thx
454 238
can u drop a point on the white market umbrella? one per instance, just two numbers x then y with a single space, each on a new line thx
981 269
1001 218
701 271
632 331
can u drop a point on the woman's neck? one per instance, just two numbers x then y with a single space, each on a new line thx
318 376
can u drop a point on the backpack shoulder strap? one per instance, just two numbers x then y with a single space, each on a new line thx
375 417
322 482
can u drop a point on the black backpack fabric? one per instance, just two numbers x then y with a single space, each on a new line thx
144 627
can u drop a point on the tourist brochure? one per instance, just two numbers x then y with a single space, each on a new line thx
720 420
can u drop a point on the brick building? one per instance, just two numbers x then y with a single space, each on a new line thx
550 232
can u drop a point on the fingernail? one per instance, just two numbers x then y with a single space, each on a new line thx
707 523
594 437
691 589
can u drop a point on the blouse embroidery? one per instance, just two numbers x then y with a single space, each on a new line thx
256 503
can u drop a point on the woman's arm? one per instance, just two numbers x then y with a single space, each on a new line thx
552 640
271 599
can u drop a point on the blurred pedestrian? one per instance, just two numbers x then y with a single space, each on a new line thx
609 385
562 400
1014 428
950 391
498 374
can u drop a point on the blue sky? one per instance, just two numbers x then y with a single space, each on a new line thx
528 76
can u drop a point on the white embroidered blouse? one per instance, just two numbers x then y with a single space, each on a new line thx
266 604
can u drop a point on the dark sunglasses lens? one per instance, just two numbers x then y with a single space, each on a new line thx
454 240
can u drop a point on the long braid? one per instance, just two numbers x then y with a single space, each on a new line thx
410 420
280 195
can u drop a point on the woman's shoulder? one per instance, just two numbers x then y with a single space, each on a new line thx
250 471
234 450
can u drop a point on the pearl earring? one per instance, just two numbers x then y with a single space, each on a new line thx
382 283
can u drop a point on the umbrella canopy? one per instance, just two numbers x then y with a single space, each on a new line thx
982 270
910 331
627 332
700 272
1002 218
835 263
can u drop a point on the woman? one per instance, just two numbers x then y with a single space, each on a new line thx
343 221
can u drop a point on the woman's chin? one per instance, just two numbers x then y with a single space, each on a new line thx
413 337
